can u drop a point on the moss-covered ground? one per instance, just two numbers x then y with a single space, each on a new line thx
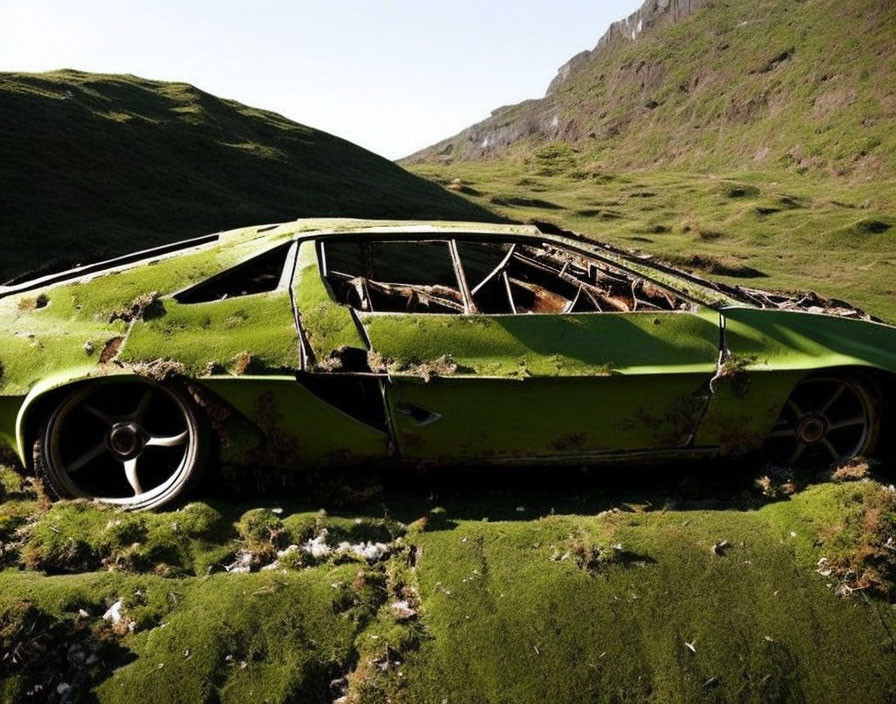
706 583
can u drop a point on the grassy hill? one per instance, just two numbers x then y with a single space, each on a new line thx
752 141
801 85
98 165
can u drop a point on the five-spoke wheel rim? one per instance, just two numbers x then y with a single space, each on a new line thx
130 444
826 421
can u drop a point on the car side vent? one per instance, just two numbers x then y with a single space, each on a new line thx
257 275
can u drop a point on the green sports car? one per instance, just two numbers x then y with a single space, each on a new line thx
322 343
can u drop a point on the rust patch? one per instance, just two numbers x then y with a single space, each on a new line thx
36 303
160 369
143 307
110 350
441 366
731 373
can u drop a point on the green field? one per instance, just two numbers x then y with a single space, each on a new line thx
775 229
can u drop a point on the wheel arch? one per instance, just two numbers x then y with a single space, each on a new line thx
45 394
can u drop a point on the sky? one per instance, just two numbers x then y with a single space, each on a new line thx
393 76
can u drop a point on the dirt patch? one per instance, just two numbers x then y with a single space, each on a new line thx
49 659
593 557
36 303
441 366
860 552
160 369
110 350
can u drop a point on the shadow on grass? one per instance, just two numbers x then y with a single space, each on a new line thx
512 494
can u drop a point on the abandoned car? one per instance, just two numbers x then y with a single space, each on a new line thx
335 342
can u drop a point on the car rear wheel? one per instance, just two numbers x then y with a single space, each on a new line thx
133 444
827 420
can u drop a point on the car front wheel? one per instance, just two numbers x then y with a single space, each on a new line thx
133 444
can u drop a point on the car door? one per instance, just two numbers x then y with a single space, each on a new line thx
516 349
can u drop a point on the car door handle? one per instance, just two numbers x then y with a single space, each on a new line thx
419 415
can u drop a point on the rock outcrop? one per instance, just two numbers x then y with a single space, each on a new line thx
508 125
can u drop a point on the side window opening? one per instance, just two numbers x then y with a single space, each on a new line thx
393 276
525 278
258 275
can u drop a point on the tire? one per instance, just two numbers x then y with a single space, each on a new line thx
827 420
136 444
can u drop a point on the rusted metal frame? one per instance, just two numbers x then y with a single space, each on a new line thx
619 268
635 300
359 283
497 270
306 355
417 289
593 300
572 304
507 288
594 290
469 304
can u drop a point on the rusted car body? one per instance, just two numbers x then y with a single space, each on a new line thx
337 342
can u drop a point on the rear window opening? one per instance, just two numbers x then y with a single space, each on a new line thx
260 274
522 278
488 277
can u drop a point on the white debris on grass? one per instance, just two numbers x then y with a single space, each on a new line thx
822 567
242 562
370 551
367 551
119 622
317 547
402 611
113 614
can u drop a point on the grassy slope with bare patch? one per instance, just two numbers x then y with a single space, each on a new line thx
802 85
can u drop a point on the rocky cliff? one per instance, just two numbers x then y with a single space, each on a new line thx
707 84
